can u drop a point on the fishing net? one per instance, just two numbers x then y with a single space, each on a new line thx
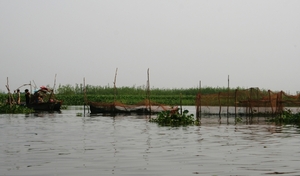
251 100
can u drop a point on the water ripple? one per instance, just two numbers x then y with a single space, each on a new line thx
64 144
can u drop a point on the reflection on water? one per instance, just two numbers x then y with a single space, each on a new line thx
65 144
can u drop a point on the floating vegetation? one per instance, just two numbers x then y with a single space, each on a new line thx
238 120
174 118
14 109
63 107
287 117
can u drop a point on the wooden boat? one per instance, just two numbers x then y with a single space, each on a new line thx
42 99
46 106
145 107
119 108
51 103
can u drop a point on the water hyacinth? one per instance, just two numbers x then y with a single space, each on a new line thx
287 117
174 118
14 109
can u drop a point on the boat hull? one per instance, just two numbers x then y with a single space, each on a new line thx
46 106
98 108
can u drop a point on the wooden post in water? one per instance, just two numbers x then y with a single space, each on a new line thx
200 91
250 101
115 91
180 103
270 99
279 104
115 88
228 97
197 106
235 95
84 94
148 92
54 84
257 97
10 97
219 103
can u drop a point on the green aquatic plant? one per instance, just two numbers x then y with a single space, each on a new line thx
287 117
238 120
64 107
174 118
14 109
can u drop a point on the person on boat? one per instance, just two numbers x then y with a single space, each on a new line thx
27 97
18 98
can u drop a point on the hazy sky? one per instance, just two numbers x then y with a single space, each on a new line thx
182 42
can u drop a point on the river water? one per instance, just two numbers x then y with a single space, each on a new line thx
69 144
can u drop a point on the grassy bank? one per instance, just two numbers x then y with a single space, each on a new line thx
74 95
131 95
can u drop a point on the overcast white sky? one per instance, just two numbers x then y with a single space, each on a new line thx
182 42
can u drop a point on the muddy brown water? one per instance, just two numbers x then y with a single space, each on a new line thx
67 144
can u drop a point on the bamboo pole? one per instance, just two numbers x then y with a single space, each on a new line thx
115 88
219 103
277 102
257 97
30 87
197 106
84 91
281 102
35 87
24 85
228 97
54 84
148 91
10 97
85 99
52 91
270 99
180 103
200 91
250 101
235 104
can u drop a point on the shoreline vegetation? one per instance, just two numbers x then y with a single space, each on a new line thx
74 95
209 96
